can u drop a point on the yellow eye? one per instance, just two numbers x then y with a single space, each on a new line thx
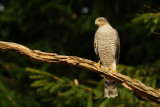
99 20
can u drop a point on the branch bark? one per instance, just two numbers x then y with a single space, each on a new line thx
138 87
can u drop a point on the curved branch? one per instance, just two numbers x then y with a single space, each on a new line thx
138 87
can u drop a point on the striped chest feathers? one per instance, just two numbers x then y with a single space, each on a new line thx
106 34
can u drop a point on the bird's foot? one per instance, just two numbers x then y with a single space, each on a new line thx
113 71
98 64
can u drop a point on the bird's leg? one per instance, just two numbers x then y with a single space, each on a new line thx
113 71
113 68
98 64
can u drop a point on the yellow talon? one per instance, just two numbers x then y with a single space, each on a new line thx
112 70
98 64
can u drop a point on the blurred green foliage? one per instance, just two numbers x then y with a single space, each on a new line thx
67 27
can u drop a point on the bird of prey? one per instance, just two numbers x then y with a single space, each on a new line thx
107 47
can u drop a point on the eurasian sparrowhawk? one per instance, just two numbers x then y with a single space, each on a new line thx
107 47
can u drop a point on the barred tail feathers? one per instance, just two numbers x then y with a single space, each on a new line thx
110 88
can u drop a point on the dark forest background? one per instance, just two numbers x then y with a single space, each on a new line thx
66 27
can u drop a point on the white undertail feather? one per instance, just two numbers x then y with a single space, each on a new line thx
114 66
110 89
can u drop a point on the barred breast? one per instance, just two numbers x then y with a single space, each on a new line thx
106 39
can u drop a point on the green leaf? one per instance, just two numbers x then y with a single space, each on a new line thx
69 92
98 93
36 76
90 101
54 88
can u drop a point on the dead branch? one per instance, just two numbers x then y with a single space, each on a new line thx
138 87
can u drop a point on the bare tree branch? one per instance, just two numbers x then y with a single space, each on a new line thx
138 87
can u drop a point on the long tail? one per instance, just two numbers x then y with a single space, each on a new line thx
110 88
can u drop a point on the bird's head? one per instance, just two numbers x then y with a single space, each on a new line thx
100 21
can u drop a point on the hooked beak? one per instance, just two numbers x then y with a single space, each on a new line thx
96 23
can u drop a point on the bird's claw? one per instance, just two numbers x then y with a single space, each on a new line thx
113 71
98 64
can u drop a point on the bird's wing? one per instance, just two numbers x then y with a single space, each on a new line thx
117 55
95 46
